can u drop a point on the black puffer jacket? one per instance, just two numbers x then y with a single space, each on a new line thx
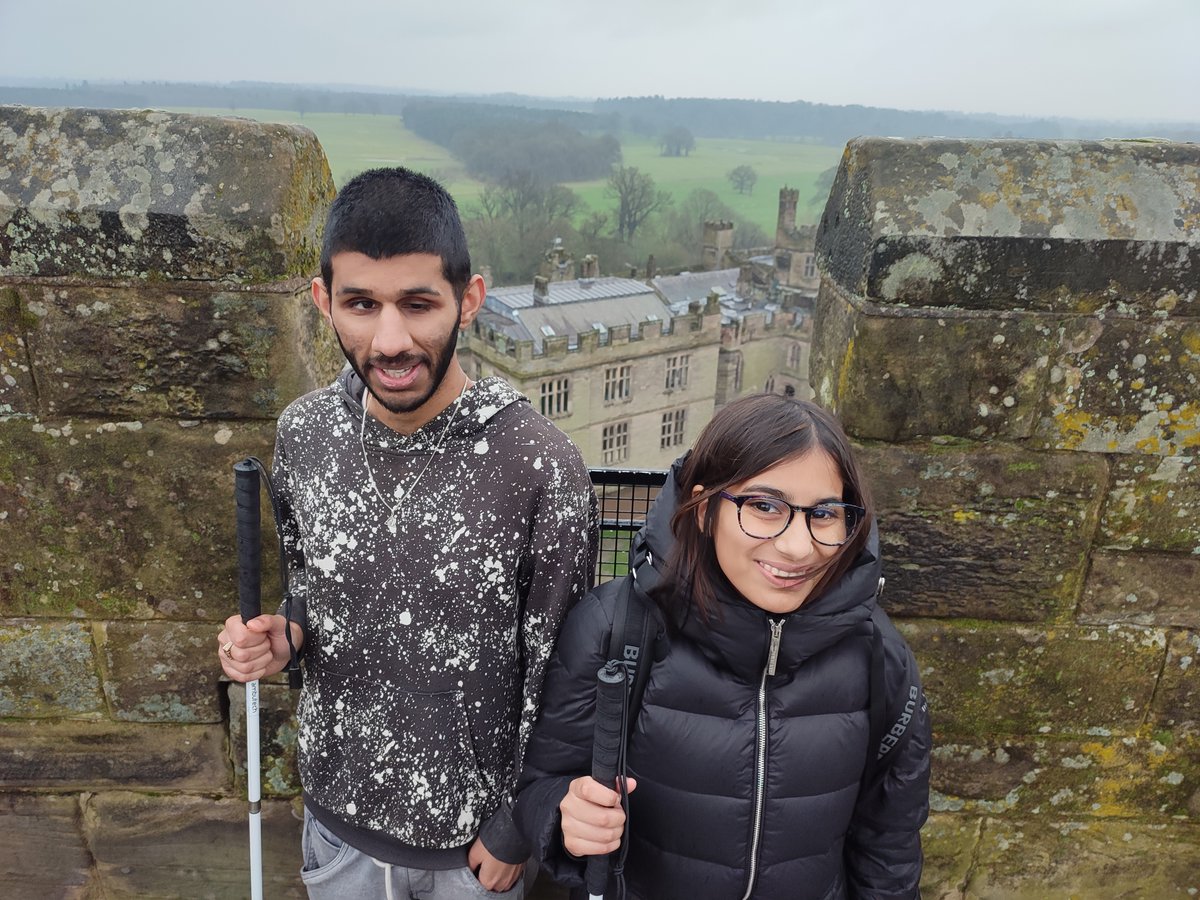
748 784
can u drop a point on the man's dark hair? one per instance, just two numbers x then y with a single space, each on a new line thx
393 212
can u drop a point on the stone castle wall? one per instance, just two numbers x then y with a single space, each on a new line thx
1009 329
1012 330
154 320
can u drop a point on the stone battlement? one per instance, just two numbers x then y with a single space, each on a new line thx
1008 329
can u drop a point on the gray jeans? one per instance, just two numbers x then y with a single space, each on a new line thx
333 870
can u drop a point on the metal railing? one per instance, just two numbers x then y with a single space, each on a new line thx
625 496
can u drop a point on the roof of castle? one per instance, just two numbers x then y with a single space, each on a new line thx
572 308
521 296
694 287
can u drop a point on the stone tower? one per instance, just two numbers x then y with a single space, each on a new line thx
718 241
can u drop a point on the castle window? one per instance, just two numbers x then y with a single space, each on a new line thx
617 383
677 372
793 355
674 425
810 265
737 373
614 443
556 397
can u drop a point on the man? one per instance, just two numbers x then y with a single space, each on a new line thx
437 531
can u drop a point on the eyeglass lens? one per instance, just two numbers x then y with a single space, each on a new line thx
829 524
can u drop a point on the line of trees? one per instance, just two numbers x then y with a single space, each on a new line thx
647 116
495 142
834 125
518 217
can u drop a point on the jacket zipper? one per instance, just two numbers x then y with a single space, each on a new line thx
760 762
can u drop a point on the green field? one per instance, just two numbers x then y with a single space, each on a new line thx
778 164
354 142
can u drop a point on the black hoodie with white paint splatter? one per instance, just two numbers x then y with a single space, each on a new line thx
425 647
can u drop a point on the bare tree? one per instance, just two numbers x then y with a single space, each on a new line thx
742 178
528 202
637 198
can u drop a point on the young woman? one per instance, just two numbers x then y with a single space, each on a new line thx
782 745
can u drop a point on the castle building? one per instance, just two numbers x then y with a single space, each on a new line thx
632 370
789 272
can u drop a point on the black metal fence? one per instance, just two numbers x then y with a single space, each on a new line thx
625 496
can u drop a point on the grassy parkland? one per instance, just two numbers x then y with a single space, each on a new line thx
354 142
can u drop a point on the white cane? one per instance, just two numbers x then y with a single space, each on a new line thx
249 523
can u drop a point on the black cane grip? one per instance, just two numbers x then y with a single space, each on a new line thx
610 699
249 539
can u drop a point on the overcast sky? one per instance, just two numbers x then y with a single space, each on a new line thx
1100 59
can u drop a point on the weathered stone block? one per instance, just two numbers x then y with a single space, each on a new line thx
73 754
1016 680
153 351
41 848
189 847
1037 225
1103 776
48 669
1153 504
1142 589
895 374
18 393
161 671
1049 860
1176 713
112 520
277 727
162 196
1121 385
1103 385
983 531
948 843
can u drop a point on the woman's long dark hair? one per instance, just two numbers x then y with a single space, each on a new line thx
747 437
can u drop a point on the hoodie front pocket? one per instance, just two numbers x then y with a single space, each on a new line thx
392 760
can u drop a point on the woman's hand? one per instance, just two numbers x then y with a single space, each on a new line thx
592 818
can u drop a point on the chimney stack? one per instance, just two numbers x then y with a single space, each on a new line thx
541 290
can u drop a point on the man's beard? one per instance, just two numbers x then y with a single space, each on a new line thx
437 370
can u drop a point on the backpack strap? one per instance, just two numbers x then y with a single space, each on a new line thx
876 711
634 634
889 714
631 643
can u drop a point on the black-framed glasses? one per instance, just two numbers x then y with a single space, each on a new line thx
832 523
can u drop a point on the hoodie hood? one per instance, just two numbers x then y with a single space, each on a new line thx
461 420
738 635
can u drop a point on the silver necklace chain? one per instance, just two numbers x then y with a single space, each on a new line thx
394 511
